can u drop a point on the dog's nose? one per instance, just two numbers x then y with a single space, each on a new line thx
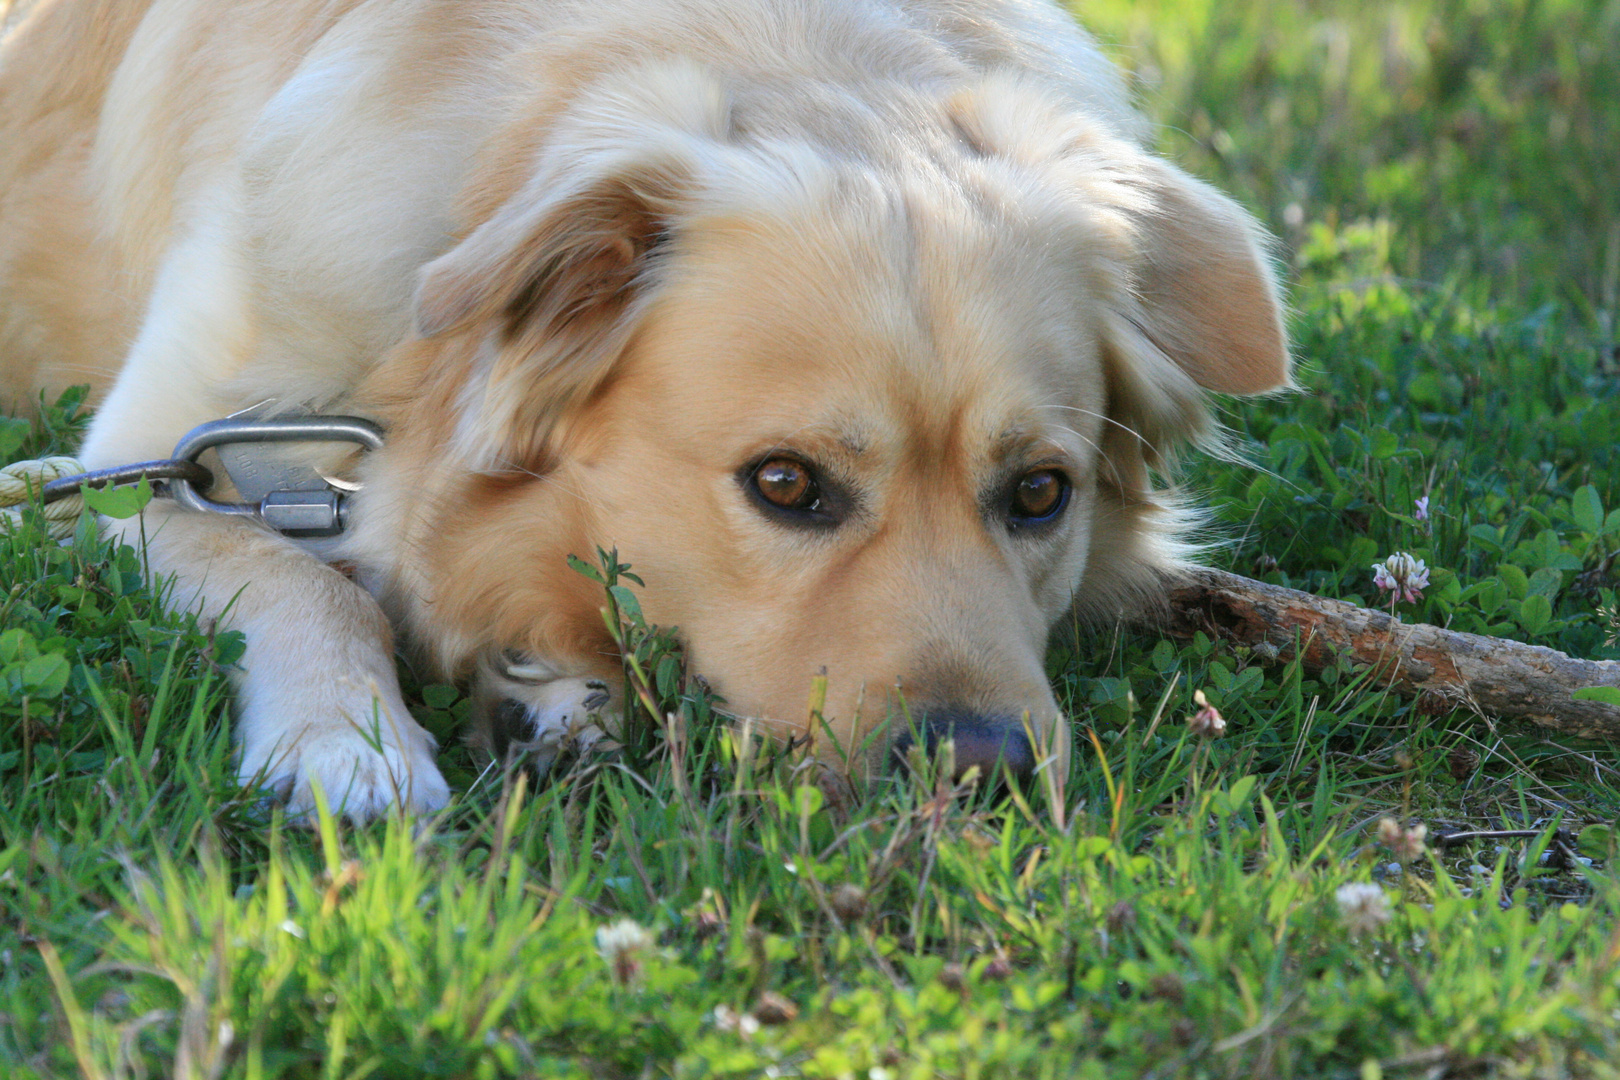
991 742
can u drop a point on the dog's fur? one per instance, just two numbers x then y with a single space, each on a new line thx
590 262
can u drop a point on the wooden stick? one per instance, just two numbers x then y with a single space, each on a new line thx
1493 676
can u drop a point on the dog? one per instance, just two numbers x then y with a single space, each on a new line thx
860 328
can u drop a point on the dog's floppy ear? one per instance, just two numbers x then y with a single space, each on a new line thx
1204 292
557 261
548 284
1197 309
1190 282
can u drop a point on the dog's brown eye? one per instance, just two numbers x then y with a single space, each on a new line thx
1039 496
786 483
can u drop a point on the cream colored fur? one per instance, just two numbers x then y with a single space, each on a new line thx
588 262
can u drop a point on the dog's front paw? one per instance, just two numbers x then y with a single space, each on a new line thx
530 709
368 757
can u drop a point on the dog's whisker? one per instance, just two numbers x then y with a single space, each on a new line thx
1132 432
1256 466
1088 440
1113 468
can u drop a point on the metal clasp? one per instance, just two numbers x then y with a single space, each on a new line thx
289 496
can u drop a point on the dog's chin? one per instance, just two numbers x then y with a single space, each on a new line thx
527 710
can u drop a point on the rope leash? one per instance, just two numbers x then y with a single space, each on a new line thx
59 480
22 480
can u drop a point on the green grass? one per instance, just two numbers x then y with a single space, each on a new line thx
1443 178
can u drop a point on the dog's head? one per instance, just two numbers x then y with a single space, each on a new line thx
882 410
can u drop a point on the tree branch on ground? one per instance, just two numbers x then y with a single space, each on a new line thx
1495 677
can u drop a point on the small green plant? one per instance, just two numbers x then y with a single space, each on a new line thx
654 676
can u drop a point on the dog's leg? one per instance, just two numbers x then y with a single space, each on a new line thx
317 700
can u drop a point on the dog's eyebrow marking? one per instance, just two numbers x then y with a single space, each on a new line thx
1016 439
1016 442
853 441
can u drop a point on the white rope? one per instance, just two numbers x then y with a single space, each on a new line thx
21 479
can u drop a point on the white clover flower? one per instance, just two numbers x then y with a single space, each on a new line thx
1363 907
728 1019
1403 575
622 945
1407 844
1422 511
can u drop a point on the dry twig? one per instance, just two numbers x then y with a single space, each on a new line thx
1495 676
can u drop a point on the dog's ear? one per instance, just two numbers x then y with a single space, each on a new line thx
1196 308
1203 289
1189 278
546 263
547 286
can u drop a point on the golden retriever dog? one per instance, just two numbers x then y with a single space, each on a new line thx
858 327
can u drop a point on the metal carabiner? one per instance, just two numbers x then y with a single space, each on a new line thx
291 498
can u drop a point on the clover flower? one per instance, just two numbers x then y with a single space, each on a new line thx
1611 619
1406 844
1422 511
1402 575
1363 907
622 945
728 1019
1207 721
